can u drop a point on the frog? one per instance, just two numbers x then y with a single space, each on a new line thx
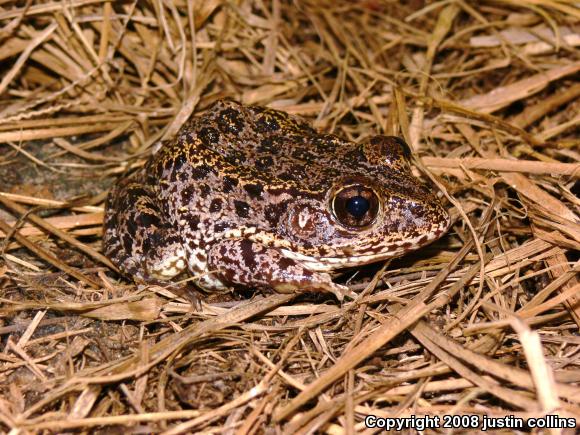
246 196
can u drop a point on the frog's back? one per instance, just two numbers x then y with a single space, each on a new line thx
238 167
264 144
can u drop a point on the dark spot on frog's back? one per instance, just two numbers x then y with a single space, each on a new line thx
200 172
248 255
209 135
267 123
273 212
147 244
285 263
230 121
254 190
229 184
235 157
132 227
216 205
193 222
148 220
204 190
128 242
242 208
267 146
175 164
187 194
220 227
264 162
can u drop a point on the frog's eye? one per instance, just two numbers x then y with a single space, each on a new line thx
355 206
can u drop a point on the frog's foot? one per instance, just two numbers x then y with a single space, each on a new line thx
189 293
166 261
248 263
184 290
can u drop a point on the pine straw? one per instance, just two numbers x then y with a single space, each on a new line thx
483 322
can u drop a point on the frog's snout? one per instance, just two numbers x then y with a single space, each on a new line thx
413 218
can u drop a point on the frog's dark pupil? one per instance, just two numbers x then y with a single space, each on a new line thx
357 206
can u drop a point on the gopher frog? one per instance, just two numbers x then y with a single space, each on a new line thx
251 196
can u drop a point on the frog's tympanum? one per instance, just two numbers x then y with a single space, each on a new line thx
250 196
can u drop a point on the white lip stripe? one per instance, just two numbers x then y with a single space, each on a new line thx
324 264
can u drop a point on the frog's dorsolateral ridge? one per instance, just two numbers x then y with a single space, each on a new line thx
251 196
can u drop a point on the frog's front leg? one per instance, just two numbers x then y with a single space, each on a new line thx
248 263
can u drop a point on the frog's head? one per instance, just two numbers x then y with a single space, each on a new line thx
376 209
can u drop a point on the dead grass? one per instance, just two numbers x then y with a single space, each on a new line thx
484 322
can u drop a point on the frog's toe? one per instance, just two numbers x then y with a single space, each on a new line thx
166 267
190 293
342 291
321 282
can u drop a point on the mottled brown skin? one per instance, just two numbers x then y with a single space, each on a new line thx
251 196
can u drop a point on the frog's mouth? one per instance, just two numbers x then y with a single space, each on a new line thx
384 252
